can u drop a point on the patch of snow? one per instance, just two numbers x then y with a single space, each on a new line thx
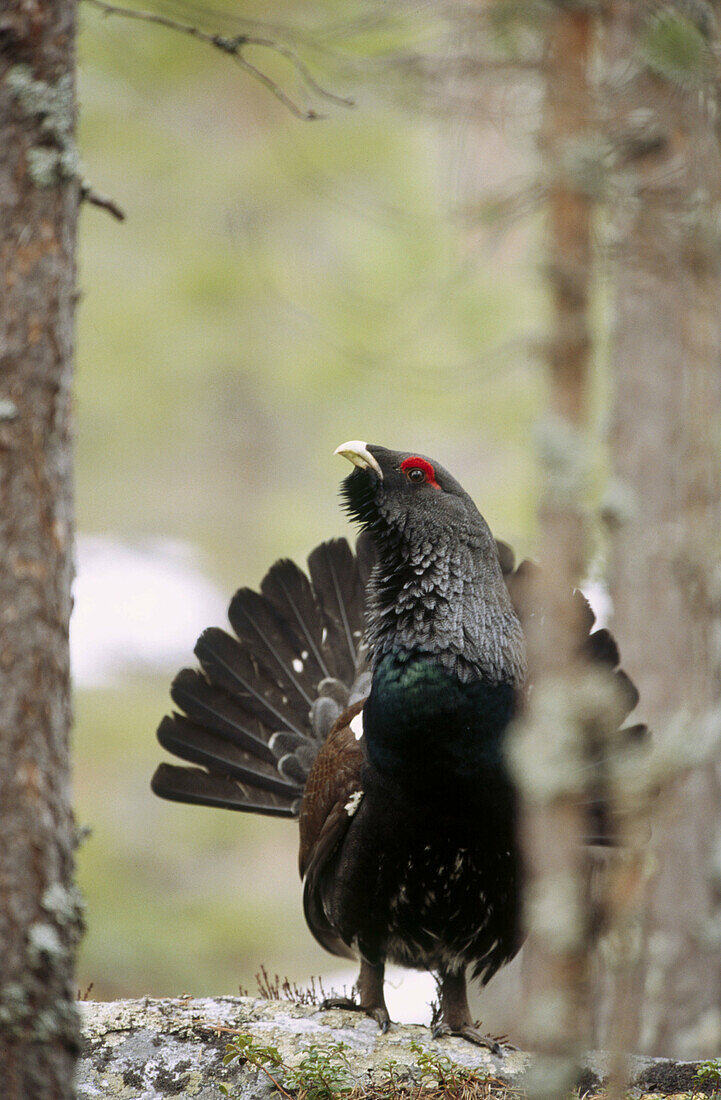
137 607
408 993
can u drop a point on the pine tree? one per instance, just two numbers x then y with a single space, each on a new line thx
39 908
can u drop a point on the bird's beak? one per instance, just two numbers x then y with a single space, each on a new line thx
357 452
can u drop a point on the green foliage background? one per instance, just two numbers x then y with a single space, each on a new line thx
278 287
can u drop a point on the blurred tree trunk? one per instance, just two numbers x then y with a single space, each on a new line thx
39 910
553 819
665 441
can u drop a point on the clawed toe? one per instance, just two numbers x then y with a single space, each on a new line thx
379 1013
456 1016
341 1002
472 1035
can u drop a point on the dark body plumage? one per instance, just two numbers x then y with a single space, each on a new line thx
408 821
427 873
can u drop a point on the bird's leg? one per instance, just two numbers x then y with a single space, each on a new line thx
370 989
456 1016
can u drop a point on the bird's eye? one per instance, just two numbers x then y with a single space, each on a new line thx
419 470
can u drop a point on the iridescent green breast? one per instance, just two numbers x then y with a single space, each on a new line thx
426 728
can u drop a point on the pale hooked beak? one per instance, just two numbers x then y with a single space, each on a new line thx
357 452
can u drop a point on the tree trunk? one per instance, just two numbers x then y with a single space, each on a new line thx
40 917
665 575
553 818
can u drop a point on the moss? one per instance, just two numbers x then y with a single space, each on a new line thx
56 158
65 903
44 943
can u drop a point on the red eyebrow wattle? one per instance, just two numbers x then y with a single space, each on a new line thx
417 463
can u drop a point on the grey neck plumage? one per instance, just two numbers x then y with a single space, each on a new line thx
444 595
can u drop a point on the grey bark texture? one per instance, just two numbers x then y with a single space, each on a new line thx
152 1049
39 909
666 507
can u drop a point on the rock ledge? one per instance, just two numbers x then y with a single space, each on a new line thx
156 1049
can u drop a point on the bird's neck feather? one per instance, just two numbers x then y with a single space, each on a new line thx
449 602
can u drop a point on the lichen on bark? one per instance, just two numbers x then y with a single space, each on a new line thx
40 920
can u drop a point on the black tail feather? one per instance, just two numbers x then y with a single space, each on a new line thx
215 709
191 742
263 702
289 590
272 641
601 646
205 789
336 580
228 664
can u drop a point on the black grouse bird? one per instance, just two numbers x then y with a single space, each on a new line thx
371 702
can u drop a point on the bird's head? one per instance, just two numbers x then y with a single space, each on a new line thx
437 586
403 491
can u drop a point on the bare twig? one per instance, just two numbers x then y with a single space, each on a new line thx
87 194
234 46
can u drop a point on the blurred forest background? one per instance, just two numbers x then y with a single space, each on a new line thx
278 286
505 254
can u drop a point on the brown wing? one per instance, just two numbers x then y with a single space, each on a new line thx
333 779
325 816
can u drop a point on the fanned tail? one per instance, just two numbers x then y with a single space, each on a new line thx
252 719
599 648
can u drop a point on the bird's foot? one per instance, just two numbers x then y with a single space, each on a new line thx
471 1034
379 1013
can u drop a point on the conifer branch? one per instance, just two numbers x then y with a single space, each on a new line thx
234 47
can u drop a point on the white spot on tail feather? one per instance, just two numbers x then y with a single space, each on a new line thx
357 725
353 803
297 664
